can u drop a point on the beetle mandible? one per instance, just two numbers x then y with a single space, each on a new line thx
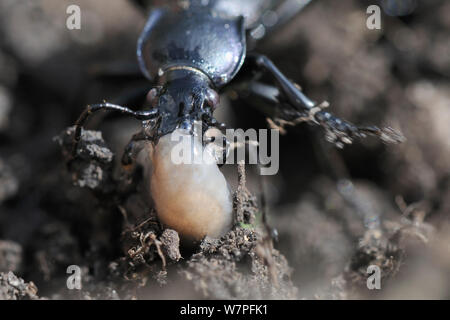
191 50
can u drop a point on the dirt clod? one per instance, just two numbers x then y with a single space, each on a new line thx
15 288
92 165
171 244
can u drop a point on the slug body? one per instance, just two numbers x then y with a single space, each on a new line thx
192 198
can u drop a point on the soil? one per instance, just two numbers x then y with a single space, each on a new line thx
309 232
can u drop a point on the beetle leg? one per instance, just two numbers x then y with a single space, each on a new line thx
294 107
139 115
130 154
289 90
132 150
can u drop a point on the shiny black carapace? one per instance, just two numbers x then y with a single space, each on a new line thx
192 49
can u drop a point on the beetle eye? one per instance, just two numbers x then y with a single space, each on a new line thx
212 98
152 97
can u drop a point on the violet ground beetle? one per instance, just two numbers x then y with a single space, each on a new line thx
190 50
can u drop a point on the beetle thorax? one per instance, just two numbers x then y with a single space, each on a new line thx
183 97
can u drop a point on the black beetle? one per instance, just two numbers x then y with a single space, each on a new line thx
190 50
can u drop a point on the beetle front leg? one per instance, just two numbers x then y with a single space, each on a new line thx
289 90
295 107
130 154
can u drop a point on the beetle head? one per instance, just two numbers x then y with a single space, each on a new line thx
183 98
